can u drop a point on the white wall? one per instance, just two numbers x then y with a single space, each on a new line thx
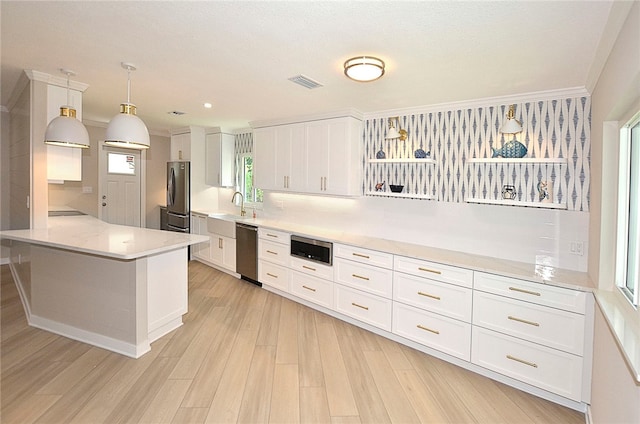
615 393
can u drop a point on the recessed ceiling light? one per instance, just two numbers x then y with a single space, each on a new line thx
208 105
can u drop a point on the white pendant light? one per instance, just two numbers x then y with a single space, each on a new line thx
364 68
65 130
512 125
126 129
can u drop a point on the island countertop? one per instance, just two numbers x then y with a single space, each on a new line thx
88 234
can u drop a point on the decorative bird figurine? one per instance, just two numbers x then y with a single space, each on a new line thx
543 192
379 186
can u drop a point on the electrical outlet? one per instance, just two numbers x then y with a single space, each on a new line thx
576 248
87 189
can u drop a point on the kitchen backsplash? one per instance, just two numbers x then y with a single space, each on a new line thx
551 129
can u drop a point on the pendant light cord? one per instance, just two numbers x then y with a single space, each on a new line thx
128 84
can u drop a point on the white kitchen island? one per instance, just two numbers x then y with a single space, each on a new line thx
112 286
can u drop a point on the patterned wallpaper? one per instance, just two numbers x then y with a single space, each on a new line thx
551 129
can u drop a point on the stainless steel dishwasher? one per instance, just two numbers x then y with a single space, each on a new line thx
247 252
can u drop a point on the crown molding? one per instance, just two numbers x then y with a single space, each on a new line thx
55 80
484 102
353 113
243 131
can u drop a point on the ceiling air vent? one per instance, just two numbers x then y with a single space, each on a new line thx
305 81
176 113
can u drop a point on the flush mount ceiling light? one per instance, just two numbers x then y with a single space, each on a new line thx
512 125
126 129
364 68
65 130
394 132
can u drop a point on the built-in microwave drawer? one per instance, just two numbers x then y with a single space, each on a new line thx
311 268
435 296
364 277
549 369
277 253
449 274
365 256
539 324
274 235
556 297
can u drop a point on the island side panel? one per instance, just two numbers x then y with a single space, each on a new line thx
168 280
94 299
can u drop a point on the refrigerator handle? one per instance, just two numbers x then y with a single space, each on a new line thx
171 183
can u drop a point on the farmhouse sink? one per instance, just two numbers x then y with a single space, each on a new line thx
223 224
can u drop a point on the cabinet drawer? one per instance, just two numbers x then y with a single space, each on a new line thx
273 275
311 268
436 331
313 289
543 367
448 274
274 235
556 297
365 256
435 296
273 252
539 324
363 277
362 306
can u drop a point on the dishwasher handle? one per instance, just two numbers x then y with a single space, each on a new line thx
246 227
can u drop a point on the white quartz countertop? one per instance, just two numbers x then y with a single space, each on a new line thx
539 273
87 234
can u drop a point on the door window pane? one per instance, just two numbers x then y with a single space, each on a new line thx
121 163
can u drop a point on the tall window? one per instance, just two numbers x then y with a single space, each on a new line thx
628 252
251 194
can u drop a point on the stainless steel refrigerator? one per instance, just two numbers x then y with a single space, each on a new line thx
178 195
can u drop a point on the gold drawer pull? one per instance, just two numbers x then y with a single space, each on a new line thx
522 361
272 235
524 291
422 327
272 252
360 277
360 306
360 255
432 296
271 275
429 270
308 288
308 267
523 321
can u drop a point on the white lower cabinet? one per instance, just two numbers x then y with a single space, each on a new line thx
364 277
365 307
223 251
313 289
273 275
549 369
433 330
273 258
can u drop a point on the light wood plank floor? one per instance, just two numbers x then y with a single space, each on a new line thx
246 355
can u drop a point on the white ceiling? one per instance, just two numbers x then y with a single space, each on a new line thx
239 55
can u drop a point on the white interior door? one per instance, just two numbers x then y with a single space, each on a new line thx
121 175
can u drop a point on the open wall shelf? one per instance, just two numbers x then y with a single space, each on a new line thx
400 195
516 203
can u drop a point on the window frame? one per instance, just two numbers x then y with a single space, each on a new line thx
241 182
629 211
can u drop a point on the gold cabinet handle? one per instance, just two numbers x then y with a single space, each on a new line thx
272 235
272 252
429 270
309 288
516 289
271 275
422 327
524 321
360 277
360 255
432 296
360 306
308 267
522 361
219 243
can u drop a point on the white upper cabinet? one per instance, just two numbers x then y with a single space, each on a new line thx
63 163
220 159
317 157
181 146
